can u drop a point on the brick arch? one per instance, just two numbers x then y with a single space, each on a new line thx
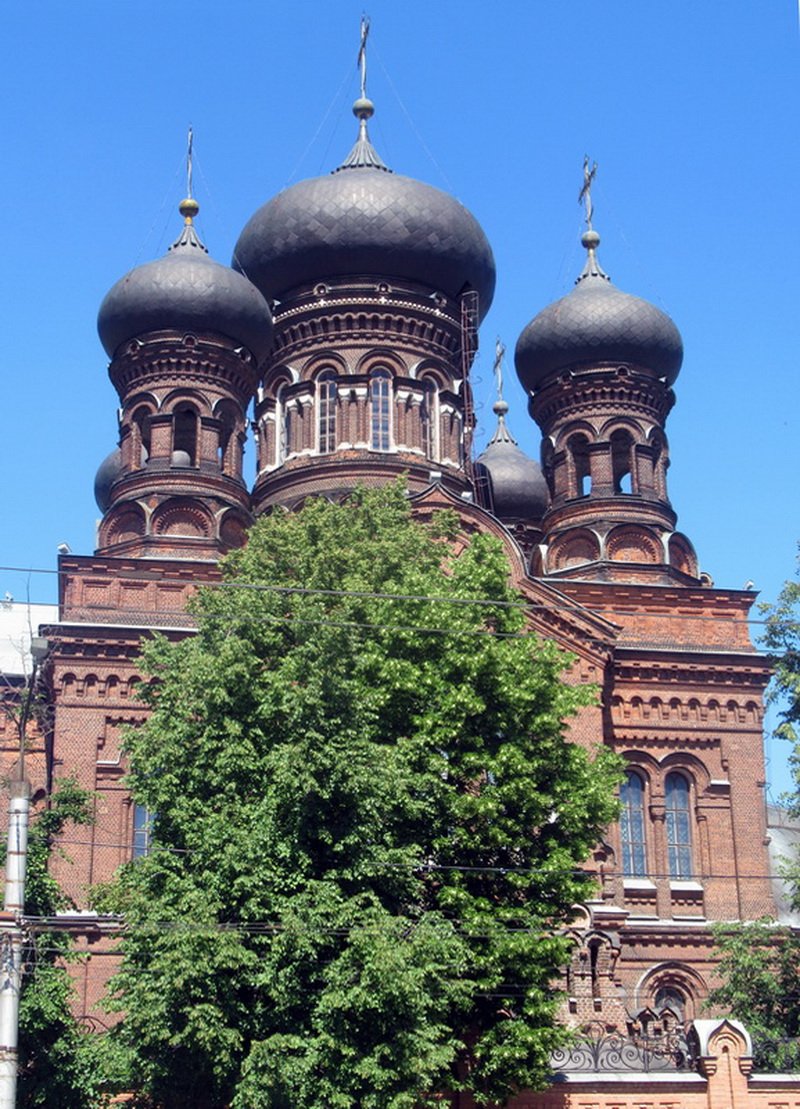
573 549
621 423
575 427
319 363
185 518
629 543
278 377
641 763
690 766
144 398
233 530
381 358
428 370
682 555
123 524
671 974
192 398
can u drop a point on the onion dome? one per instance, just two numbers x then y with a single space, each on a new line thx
186 291
518 490
596 323
364 220
108 471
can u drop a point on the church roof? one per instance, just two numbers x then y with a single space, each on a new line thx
364 220
185 290
596 322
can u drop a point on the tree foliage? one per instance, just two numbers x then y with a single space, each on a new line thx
760 961
760 971
368 826
58 1062
782 640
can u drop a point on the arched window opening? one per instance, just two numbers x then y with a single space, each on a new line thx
380 392
579 450
634 845
678 826
326 385
227 419
594 966
429 419
141 432
621 452
184 436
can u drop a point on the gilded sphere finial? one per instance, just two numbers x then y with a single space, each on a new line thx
590 239
363 108
189 208
500 407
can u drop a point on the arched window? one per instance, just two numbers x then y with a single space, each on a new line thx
141 431
184 436
429 419
380 393
326 385
678 826
579 450
226 454
621 455
634 847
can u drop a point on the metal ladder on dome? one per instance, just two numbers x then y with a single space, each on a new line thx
469 348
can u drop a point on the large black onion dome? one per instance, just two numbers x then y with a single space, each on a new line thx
516 483
108 471
596 322
186 291
361 220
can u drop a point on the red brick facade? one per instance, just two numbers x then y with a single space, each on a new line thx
368 378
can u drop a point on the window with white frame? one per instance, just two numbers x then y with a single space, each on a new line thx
429 418
142 831
326 410
380 398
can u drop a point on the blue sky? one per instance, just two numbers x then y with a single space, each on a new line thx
690 109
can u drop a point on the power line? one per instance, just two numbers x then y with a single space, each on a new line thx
522 604
428 867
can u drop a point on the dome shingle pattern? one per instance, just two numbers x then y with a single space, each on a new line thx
364 220
596 322
517 485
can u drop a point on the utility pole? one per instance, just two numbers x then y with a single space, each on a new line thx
12 932
11 956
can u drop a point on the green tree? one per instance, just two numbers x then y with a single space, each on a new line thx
760 961
368 825
760 971
58 1061
782 640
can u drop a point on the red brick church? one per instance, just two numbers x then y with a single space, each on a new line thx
349 319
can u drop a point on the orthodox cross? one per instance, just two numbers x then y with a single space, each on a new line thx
189 144
585 195
362 55
499 354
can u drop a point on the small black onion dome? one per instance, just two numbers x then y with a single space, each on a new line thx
363 219
596 322
186 291
518 486
107 473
